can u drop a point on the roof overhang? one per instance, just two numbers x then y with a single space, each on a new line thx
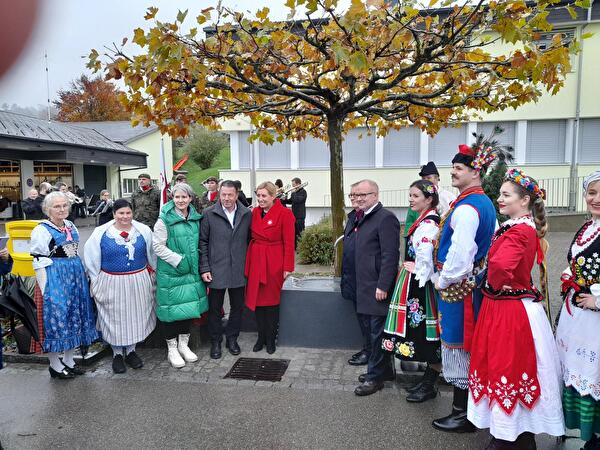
12 148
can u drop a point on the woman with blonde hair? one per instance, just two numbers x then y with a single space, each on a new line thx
514 374
269 261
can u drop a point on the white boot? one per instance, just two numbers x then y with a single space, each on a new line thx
174 357
184 350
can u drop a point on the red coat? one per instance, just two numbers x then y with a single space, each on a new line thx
270 253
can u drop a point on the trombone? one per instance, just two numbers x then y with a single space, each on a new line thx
289 188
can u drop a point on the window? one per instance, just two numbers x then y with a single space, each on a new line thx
506 138
314 153
444 145
130 185
359 148
546 141
402 148
545 40
589 141
276 156
245 149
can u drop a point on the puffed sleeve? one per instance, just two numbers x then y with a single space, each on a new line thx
595 290
39 242
91 256
423 240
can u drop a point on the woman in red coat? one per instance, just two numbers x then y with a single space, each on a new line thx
269 261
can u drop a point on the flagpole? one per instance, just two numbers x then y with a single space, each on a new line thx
163 174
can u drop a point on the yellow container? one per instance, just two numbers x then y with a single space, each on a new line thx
19 232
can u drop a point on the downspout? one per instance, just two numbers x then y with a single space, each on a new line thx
575 147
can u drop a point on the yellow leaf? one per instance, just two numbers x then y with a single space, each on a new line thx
263 13
139 37
151 13
428 20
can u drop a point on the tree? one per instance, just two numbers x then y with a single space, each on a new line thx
90 100
203 146
376 65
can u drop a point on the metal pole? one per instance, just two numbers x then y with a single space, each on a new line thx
252 166
574 173
47 84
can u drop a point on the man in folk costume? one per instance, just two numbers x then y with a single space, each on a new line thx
459 260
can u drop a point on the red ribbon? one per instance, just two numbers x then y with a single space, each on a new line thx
67 231
124 234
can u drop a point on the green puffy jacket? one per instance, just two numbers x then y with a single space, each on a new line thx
180 293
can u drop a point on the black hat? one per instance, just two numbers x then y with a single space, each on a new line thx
429 169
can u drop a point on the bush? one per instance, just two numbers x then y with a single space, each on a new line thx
492 183
203 146
316 244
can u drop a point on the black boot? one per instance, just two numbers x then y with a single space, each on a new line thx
501 444
526 441
456 421
427 390
260 343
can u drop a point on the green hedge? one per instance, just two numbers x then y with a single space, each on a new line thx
316 244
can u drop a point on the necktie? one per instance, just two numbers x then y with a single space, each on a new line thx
359 215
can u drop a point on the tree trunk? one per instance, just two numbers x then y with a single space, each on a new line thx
336 169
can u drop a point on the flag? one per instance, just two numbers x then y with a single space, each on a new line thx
164 185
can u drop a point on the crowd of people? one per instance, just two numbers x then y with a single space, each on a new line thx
462 300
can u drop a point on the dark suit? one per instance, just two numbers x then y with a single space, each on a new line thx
370 261
223 254
298 201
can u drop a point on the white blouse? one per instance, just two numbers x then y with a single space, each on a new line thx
576 249
39 242
423 239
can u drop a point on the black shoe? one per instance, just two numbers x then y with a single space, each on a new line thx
500 444
361 360
592 444
414 387
271 347
215 350
357 354
526 441
75 370
456 422
134 361
118 364
62 375
233 346
426 392
260 343
368 388
390 377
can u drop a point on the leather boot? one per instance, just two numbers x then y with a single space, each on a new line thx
184 350
260 343
173 356
271 346
501 444
456 421
526 441
427 390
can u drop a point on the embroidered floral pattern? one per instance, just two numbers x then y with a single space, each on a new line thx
415 312
507 394
406 349
387 345
475 386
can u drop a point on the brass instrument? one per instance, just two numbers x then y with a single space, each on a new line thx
289 189
73 198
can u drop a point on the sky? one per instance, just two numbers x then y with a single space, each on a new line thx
69 29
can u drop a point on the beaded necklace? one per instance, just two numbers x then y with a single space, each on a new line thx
579 239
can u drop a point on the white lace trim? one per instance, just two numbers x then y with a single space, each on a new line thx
115 234
527 220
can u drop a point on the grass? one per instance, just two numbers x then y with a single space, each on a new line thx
196 175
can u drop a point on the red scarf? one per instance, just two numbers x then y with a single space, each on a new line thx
414 226
212 196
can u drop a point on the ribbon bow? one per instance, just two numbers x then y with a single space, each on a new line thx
124 234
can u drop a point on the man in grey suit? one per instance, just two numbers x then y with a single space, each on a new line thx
224 237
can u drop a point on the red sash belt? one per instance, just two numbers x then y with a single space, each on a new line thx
127 273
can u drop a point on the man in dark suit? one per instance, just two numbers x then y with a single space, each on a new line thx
370 265
298 201
224 237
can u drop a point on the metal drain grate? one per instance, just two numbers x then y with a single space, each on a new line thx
258 369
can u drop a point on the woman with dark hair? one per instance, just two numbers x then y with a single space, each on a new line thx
577 332
68 309
119 260
411 328
514 374
269 261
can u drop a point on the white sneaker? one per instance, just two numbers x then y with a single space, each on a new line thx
184 350
174 357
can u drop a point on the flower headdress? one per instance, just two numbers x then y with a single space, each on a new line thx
484 151
526 182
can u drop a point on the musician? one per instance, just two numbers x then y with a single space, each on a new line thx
80 207
104 208
210 197
73 199
298 201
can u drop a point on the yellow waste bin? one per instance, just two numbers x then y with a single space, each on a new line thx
19 232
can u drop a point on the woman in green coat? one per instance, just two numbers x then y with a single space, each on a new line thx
180 293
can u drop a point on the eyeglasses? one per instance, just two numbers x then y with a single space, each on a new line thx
359 196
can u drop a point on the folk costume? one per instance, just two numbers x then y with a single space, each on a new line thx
270 253
121 268
68 310
459 260
577 332
514 376
445 197
411 329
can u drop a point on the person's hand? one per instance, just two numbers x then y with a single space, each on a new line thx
436 285
286 274
4 254
207 277
409 266
380 295
586 301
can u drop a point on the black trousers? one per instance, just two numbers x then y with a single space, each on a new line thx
364 323
173 329
216 298
267 322
298 229
380 362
